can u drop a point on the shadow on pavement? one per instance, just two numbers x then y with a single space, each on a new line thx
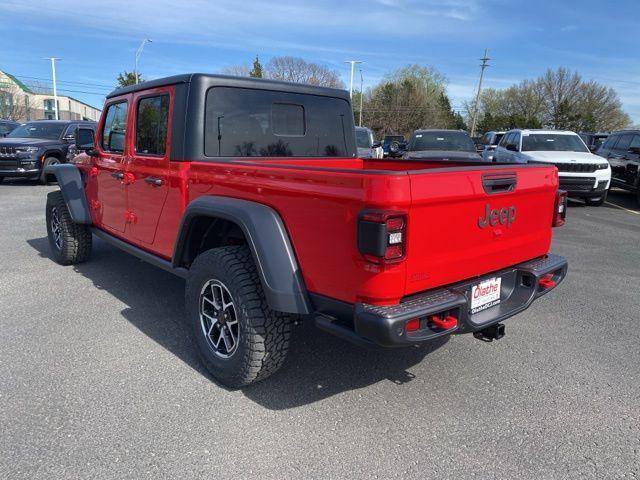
624 199
318 366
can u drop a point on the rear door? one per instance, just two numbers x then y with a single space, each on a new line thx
619 156
631 161
469 221
148 162
108 210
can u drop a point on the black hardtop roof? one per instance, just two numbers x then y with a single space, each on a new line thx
438 130
231 81
621 132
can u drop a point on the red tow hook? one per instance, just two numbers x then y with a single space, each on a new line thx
546 282
444 323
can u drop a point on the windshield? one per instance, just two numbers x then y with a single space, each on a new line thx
50 131
499 136
363 138
552 142
455 141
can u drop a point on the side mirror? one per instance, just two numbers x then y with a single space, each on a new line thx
376 145
85 140
512 147
635 150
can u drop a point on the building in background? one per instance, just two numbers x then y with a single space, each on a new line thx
20 103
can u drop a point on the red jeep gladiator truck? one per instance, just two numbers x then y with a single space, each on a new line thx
252 191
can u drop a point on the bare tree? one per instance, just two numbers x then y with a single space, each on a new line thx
13 102
290 69
294 69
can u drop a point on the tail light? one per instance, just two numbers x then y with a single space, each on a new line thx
560 209
382 235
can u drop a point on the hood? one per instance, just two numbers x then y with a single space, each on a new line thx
22 142
444 155
563 157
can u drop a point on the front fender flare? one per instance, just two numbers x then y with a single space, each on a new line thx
269 243
72 188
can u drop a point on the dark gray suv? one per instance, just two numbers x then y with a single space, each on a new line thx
622 149
27 149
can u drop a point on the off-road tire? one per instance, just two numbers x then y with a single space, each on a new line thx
596 202
74 238
264 334
44 178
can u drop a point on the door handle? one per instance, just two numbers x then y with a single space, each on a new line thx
154 181
118 175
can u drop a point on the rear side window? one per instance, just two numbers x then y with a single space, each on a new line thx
624 142
241 122
152 119
610 142
115 127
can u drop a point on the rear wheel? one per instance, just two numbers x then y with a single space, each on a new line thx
44 178
70 242
596 202
238 337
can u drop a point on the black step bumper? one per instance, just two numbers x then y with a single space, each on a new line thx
386 326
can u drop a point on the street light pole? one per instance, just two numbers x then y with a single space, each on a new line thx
138 53
55 85
484 65
353 66
361 82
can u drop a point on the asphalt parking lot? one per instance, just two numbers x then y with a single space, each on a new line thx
98 379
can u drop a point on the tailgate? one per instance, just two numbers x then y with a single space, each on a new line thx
469 221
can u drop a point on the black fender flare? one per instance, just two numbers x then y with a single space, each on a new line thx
269 243
72 187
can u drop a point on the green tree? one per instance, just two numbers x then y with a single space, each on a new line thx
127 78
256 71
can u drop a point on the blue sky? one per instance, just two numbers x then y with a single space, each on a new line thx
96 40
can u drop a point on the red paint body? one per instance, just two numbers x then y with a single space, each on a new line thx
319 201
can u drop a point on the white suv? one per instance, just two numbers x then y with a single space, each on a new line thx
581 173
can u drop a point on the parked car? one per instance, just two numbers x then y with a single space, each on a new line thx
442 144
393 145
622 150
29 148
488 142
582 173
277 219
367 146
593 140
6 126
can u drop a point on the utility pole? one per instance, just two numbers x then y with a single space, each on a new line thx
55 85
483 65
361 82
353 66
138 53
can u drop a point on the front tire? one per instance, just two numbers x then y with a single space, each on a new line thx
44 178
70 242
239 339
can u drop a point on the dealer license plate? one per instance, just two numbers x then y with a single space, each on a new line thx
485 294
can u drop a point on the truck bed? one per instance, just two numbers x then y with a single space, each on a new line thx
320 200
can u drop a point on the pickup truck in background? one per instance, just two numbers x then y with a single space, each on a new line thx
252 191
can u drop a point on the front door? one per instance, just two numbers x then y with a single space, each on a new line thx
108 209
148 162
632 161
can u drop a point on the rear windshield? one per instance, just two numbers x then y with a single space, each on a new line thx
363 138
242 122
454 141
552 142
49 131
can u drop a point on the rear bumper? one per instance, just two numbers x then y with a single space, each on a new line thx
385 326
